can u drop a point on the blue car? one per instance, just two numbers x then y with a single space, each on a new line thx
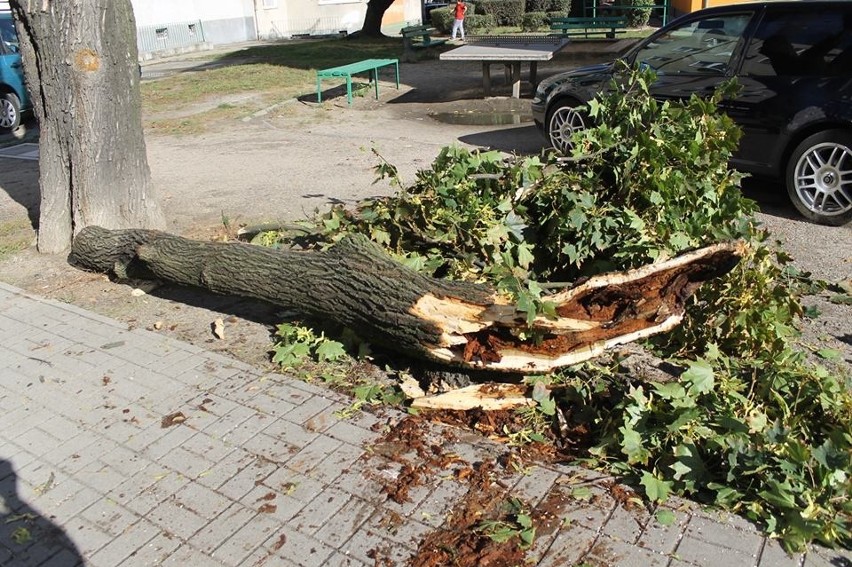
14 99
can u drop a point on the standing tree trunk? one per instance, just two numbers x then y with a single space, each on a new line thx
80 60
373 18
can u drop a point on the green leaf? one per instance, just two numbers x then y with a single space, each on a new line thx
368 392
292 354
525 255
329 351
700 377
830 354
655 489
665 517
669 391
380 236
541 395
582 493
631 445
515 226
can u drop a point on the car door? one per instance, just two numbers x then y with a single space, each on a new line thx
794 67
695 55
11 69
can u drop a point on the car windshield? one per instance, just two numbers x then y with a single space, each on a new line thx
8 35
702 46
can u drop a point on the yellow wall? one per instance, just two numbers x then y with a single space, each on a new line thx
686 6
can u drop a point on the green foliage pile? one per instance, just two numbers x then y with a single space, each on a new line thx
750 425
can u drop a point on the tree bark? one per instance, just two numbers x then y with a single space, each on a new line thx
354 283
80 60
373 18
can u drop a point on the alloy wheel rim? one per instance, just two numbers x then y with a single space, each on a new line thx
7 114
823 178
564 122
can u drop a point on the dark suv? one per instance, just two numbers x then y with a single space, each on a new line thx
793 61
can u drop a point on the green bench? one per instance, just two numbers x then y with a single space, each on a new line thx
606 25
419 37
346 71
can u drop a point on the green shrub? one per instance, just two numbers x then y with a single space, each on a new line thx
505 12
479 23
534 21
638 17
442 19
537 5
563 6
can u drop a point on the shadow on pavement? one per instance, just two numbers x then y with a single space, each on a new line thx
521 140
771 197
19 178
28 539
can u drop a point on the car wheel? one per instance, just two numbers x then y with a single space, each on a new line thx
819 177
563 120
10 112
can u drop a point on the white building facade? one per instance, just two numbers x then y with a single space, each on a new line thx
169 25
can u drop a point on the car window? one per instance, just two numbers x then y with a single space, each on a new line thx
802 44
8 36
703 46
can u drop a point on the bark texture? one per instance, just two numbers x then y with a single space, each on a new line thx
354 283
80 60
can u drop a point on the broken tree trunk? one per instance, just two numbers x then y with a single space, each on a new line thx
356 284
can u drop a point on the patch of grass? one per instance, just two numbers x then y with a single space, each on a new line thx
15 235
278 71
198 122
179 91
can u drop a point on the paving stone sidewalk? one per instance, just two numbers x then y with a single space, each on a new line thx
122 447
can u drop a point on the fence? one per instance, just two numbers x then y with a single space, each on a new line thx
163 37
306 26
594 8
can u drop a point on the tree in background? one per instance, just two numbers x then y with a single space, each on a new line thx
373 18
81 64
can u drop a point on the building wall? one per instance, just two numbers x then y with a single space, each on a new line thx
287 18
689 6
164 25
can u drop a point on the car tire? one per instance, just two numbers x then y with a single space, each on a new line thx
563 120
819 177
10 112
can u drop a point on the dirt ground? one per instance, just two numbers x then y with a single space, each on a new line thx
283 163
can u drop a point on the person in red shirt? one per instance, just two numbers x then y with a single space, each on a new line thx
458 22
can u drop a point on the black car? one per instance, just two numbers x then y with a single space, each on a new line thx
793 61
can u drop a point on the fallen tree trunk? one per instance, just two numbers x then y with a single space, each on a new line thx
356 284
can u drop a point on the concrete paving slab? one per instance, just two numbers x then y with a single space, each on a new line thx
261 469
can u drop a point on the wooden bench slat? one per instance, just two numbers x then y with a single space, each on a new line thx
419 36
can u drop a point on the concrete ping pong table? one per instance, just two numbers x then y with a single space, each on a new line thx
510 51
